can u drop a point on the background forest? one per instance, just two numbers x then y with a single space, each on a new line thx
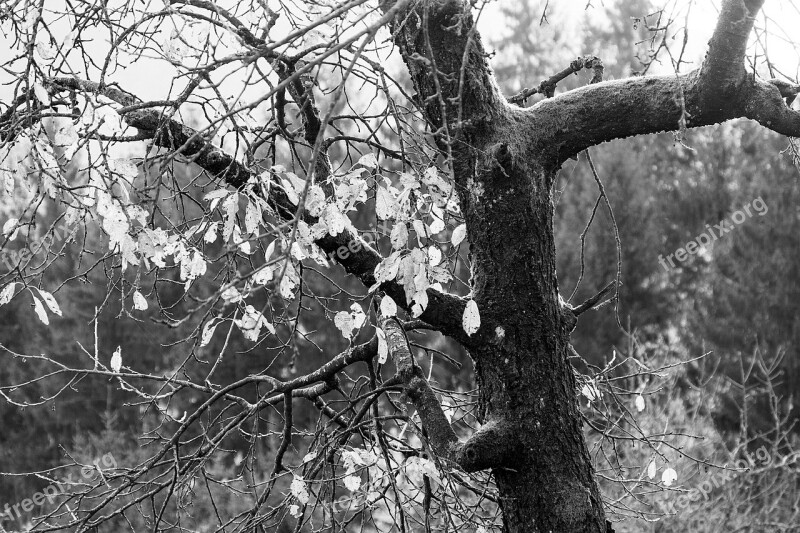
732 312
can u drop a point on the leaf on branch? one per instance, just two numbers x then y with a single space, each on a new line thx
289 281
211 233
399 235
590 391
417 468
270 250
125 167
388 306
385 203
471 318
252 217
41 93
230 206
459 234
208 332
299 490
383 346
251 323
350 322
139 301
40 312
387 269
50 301
368 161
434 255
334 221
10 228
438 224
640 405
353 483
669 476
116 360
7 293
215 197
315 200
651 469
231 295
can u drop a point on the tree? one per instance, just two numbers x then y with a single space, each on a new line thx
474 157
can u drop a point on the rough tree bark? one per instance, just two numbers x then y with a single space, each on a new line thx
504 160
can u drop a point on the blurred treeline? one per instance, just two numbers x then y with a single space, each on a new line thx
741 302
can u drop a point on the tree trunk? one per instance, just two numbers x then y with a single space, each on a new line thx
532 433
504 161
527 386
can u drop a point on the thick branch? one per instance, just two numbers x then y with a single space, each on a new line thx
447 63
418 392
720 90
492 446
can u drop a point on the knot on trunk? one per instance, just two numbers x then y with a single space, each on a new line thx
494 445
501 160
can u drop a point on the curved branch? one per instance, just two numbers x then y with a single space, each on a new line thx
720 90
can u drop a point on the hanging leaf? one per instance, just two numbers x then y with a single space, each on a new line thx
358 315
344 323
434 255
651 469
590 391
417 468
388 306
315 200
50 301
353 483
211 233
383 346
299 490
459 234
385 204
40 312
7 293
215 197
41 93
252 217
640 403
399 235
208 332
270 250
669 476
116 360
472 318
230 206
10 228
139 301
368 160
